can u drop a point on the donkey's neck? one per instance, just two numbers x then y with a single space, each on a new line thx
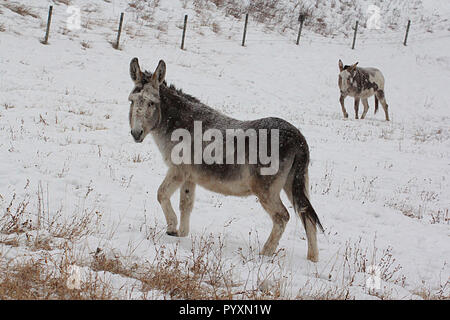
180 111
175 112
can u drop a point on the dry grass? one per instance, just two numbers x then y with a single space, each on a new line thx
314 292
66 2
359 259
44 279
198 276
162 27
418 204
80 112
428 294
33 226
144 10
137 158
18 218
93 127
440 216
204 272
20 9
345 270
216 27
39 274
14 219
85 44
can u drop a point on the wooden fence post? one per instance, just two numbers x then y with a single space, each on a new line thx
49 20
245 30
407 32
301 18
354 36
119 32
184 31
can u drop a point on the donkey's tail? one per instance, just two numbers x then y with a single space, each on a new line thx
300 193
376 104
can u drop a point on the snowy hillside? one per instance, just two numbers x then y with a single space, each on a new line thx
75 190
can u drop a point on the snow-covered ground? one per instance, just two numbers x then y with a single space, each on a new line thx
381 189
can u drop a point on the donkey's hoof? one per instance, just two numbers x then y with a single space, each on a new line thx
345 115
172 233
183 233
313 258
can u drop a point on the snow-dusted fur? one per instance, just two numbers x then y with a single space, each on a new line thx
159 109
361 83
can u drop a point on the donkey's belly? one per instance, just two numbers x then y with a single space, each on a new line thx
236 186
364 94
367 93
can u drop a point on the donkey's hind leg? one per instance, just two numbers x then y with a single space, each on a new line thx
280 216
382 99
187 196
366 108
376 104
170 184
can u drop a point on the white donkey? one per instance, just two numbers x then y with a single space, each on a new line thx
361 83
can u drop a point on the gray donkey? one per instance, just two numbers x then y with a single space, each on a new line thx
162 110
361 83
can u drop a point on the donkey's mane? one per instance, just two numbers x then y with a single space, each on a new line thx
171 88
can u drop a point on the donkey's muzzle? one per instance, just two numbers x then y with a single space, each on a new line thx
137 135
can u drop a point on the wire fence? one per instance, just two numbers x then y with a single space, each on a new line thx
113 27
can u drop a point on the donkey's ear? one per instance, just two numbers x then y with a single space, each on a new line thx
135 71
160 73
353 67
341 65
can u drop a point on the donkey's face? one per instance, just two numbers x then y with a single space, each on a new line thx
145 108
346 76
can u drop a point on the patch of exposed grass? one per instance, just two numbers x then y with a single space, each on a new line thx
66 2
20 9
40 279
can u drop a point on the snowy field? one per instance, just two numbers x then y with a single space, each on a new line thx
74 186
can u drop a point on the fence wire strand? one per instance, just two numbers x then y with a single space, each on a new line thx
159 30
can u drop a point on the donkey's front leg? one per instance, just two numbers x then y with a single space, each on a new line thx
382 99
341 100
170 184
356 107
187 197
